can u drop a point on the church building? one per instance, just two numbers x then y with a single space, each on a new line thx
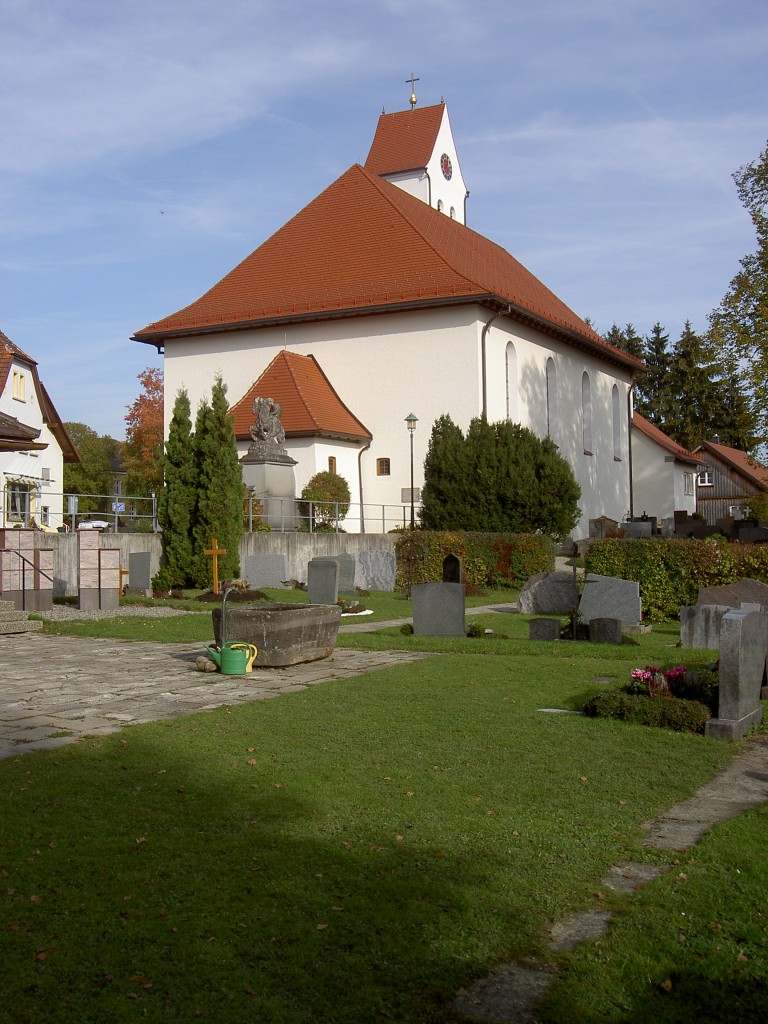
377 301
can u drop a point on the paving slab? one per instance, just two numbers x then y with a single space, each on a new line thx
90 686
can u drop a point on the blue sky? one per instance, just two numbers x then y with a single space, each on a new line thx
149 145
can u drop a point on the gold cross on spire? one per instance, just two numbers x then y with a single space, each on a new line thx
413 81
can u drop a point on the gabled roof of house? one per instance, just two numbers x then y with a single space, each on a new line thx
364 246
10 351
404 141
310 405
663 440
737 460
18 437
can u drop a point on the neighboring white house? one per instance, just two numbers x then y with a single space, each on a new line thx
33 444
663 472
391 305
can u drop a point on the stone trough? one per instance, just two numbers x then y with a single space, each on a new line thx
284 634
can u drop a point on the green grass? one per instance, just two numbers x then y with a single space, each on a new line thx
360 850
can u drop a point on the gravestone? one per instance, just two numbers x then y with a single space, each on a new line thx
605 631
640 529
376 570
700 625
323 581
438 609
544 629
743 650
549 593
346 566
602 527
140 573
605 597
746 591
266 571
452 569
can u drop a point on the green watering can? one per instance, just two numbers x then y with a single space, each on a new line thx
233 659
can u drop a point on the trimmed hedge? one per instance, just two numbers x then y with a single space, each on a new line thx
664 712
670 572
488 559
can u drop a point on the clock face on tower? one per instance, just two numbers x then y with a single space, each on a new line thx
446 166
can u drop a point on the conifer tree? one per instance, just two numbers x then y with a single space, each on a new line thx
652 392
443 500
177 499
219 488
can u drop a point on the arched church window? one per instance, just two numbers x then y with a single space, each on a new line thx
511 373
439 205
453 213
552 425
616 411
586 413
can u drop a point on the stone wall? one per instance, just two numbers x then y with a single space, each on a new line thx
297 548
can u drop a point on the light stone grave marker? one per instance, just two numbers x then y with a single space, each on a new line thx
743 650
323 581
605 597
549 593
438 609
346 564
376 570
266 571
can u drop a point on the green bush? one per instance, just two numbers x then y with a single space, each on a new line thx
666 712
488 559
670 572
325 500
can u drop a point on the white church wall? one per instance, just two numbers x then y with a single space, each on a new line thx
449 192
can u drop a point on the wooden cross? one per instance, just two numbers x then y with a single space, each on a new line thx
123 572
214 551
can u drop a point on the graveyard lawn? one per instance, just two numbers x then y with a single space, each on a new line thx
361 850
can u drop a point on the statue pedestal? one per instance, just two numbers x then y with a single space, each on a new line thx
273 482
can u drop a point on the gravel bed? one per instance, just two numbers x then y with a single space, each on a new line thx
65 611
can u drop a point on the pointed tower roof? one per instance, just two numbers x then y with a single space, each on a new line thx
310 405
404 141
364 246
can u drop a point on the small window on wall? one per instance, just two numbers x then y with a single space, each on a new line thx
706 479
688 483
17 501
19 386
331 463
382 467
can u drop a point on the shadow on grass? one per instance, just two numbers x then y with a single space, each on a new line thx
158 878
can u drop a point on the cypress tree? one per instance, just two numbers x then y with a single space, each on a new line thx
176 501
219 487
443 499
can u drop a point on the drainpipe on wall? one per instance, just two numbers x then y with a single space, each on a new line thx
482 357
360 484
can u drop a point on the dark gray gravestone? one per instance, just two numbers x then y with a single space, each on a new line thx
700 625
346 564
438 609
140 573
452 569
376 570
746 591
743 650
549 593
638 530
544 629
266 571
605 631
605 597
322 581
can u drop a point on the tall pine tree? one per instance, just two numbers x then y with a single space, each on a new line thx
219 488
177 499
652 391
443 496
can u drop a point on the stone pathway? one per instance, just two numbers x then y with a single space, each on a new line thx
57 689
511 992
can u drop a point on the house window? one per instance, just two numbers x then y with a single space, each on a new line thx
688 483
511 382
616 411
331 463
551 400
19 386
17 501
45 517
382 467
706 479
586 413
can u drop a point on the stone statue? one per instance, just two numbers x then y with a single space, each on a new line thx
267 433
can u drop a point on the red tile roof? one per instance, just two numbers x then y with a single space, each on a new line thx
743 463
404 141
664 440
364 246
310 406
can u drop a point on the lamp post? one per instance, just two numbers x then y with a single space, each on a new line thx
412 420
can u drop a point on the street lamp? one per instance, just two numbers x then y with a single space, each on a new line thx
412 420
